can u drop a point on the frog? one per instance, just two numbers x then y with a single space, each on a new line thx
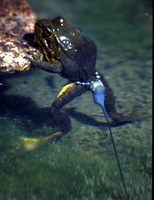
72 55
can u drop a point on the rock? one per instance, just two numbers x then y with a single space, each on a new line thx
17 20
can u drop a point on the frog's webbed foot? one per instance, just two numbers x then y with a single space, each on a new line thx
110 105
31 144
132 115
37 61
120 118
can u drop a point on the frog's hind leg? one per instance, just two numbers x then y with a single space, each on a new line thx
67 94
117 118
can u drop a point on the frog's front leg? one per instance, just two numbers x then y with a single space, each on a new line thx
67 94
37 61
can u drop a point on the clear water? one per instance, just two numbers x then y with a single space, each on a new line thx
82 165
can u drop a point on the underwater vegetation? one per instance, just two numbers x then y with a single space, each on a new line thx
60 172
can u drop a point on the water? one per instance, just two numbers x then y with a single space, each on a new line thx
82 165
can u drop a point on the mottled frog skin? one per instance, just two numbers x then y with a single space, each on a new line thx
73 56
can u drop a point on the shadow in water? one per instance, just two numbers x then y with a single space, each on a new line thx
31 116
84 118
15 106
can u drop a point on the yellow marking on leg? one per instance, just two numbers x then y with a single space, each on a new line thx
68 86
53 137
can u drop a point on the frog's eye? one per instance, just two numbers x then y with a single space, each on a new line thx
47 33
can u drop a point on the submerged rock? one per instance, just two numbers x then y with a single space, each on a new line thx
17 19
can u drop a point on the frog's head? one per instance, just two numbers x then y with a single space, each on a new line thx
57 35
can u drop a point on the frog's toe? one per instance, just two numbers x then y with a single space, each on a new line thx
34 56
28 58
137 114
129 116
30 144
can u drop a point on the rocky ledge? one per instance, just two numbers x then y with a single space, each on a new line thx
17 21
